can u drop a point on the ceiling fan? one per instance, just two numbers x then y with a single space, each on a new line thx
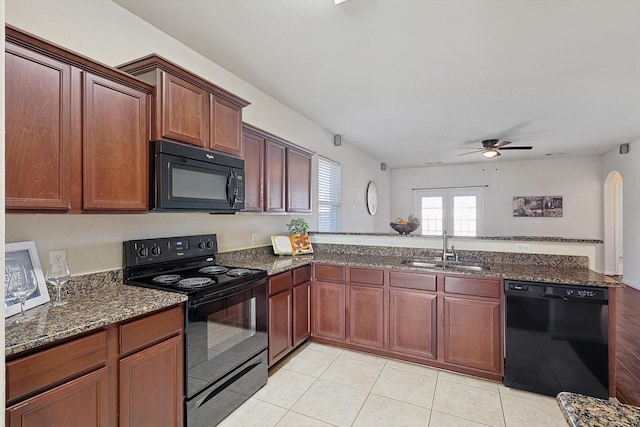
490 148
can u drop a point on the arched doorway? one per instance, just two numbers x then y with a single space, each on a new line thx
613 234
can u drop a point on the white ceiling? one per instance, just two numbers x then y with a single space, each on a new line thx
411 81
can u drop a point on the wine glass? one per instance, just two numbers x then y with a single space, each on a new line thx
57 275
19 284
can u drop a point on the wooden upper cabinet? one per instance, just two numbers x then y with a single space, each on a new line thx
184 111
274 177
253 172
226 126
76 131
38 130
277 173
115 146
298 181
190 109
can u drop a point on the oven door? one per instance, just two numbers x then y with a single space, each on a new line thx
223 334
189 184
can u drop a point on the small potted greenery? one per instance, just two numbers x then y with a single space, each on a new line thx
298 226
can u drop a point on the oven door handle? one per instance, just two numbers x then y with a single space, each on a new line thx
197 302
222 387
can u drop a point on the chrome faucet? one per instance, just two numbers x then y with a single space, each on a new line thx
445 254
444 244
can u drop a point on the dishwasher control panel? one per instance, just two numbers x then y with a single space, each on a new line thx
554 290
579 293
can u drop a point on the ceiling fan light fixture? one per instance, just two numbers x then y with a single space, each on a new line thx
490 152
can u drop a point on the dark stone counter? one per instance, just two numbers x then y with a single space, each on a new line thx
585 411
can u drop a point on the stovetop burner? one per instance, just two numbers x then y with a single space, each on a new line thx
214 269
238 272
195 282
166 279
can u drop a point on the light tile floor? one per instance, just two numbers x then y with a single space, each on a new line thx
319 385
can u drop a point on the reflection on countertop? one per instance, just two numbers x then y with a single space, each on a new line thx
94 301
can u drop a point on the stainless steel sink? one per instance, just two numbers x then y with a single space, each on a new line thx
449 265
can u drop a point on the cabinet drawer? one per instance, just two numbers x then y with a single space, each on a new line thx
404 279
55 365
301 275
151 329
280 282
330 272
367 276
490 288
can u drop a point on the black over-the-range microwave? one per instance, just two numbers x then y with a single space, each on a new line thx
190 179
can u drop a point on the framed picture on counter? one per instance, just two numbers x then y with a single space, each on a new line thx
21 264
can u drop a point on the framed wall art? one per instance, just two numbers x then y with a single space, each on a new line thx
537 206
21 263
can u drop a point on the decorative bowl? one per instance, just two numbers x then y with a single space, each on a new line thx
405 228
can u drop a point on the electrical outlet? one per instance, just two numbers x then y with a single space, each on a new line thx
523 247
58 256
253 239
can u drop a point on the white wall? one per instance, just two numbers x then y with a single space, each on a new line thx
102 30
577 179
629 167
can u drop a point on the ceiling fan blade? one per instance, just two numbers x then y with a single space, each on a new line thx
501 143
469 148
517 148
470 152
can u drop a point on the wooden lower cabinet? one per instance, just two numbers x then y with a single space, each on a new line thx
280 322
366 316
128 374
289 310
448 321
329 310
83 402
412 323
301 312
472 333
139 375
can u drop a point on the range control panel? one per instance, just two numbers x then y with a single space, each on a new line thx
151 251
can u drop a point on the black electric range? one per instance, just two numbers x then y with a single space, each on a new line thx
183 264
225 340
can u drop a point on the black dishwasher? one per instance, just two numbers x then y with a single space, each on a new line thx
556 338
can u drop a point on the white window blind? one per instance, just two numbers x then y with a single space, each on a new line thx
328 195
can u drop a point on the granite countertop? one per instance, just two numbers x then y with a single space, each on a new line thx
94 301
551 274
514 238
585 411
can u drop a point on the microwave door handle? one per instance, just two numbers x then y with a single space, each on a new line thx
232 189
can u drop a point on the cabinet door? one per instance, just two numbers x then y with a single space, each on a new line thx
83 402
366 316
226 126
274 177
38 131
298 181
254 172
115 146
280 320
329 315
185 111
151 386
412 323
301 301
472 335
